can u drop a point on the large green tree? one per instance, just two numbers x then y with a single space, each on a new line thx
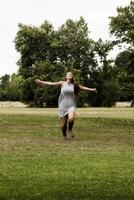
122 27
104 75
33 44
4 82
48 54
125 71
10 87
38 59
76 47
76 52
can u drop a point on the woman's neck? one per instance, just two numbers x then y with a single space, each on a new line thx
68 81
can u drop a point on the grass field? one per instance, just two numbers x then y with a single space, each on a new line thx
37 164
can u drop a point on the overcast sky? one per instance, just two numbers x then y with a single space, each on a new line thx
95 12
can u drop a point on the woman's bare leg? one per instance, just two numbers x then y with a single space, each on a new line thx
71 117
64 126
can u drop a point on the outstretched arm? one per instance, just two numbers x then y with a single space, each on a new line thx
38 81
82 88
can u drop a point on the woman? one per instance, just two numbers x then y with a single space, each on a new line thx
67 101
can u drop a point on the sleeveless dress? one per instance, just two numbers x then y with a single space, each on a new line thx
67 100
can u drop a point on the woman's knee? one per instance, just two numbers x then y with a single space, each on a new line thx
71 116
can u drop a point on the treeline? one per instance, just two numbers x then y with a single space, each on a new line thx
10 89
47 54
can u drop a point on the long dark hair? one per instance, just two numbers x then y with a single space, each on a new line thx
76 89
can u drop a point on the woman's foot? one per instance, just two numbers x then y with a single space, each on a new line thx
72 135
65 138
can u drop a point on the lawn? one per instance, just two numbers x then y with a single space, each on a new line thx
37 164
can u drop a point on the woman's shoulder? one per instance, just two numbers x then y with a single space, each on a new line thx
62 83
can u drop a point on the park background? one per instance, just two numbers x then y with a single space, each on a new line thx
47 53
35 162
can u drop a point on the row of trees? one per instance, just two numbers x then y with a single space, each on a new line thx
48 54
10 87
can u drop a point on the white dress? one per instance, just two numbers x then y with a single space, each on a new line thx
67 100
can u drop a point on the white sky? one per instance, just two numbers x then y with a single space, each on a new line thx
34 12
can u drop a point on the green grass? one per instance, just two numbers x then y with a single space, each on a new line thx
36 164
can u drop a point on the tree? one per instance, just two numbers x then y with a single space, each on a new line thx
13 88
76 49
105 76
37 47
10 87
4 82
125 71
33 44
45 51
47 54
122 25
37 96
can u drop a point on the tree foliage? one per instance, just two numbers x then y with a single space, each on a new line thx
125 72
47 54
10 87
122 25
104 75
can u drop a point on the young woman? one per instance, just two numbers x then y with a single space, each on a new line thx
67 101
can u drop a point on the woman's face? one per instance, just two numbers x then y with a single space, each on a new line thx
69 75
